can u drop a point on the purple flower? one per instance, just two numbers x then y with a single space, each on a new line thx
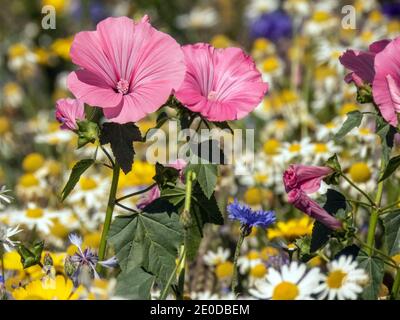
250 218
391 9
273 26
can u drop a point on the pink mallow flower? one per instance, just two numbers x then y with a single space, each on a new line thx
301 201
220 84
154 192
306 178
361 63
68 111
386 85
128 68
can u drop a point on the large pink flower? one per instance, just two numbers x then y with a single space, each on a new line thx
386 85
128 68
220 84
68 111
361 63
306 178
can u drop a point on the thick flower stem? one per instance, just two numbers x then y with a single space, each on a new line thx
109 213
396 286
373 222
235 260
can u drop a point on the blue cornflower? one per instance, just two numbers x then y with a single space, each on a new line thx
273 26
250 218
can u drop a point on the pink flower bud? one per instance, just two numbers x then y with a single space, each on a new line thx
68 111
302 202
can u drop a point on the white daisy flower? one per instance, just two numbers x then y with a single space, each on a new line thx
5 237
5 198
293 282
34 217
212 258
198 18
245 263
344 280
295 149
259 7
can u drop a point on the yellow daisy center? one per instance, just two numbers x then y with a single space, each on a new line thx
253 255
335 279
258 271
320 148
87 183
28 180
285 291
32 162
34 213
224 270
295 147
271 147
270 64
4 125
360 172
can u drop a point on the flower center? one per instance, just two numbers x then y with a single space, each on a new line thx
212 95
224 270
34 213
285 291
258 271
123 86
28 180
87 183
335 279
360 172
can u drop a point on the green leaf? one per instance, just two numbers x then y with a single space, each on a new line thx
149 241
320 236
386 132
88 131
391 167
79 168
353 120
192 241
134 283
31 257
207 208
375 270
176 196
206 175
121 137
391 222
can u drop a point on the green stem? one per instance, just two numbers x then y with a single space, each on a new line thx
166 289
235 260
3 270
396 286
136 193
109 213
390 206
373 222
186 221
359 190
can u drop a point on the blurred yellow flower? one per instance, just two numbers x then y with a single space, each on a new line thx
61 47
291 229
32 162
346 108
258 271
254 196
224 270
59 5
271 147
4 125
220 41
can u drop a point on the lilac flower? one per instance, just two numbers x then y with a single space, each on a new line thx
250 218
391 9
273 26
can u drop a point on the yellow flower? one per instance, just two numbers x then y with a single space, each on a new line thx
4 125
291 229
17 50
285 291
268 252
320 16
220 41
271 147
261 44
32 162
270 64
346 108
12 261
59 5
48 289
28 180
141 175
91 240
315 262
258 271
254 196
360 172
61 47
224 270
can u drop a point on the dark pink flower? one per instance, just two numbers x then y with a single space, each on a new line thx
302 202
128 68
306 178
361 63
68 111
220 84
386 85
